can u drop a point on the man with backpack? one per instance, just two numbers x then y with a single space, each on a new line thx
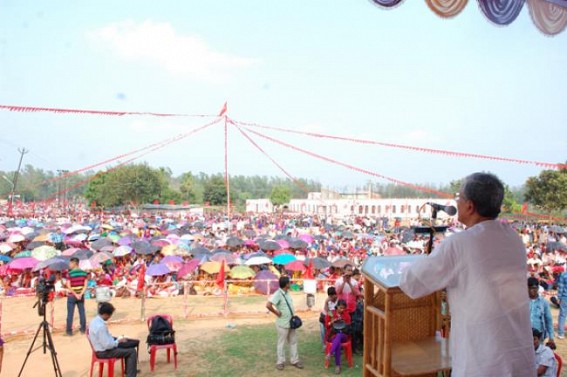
106 346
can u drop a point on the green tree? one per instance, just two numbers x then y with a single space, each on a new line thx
126 185
548 191
187 187
215 191
280 195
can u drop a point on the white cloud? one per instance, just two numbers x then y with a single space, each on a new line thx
159 44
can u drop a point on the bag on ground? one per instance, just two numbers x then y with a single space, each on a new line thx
160 332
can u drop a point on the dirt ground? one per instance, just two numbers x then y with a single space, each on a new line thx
74 352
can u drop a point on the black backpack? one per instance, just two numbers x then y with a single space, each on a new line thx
160 332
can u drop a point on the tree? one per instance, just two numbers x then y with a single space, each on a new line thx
280 195
548 191
215 191
126 185
187 187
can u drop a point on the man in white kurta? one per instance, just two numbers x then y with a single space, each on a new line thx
484 271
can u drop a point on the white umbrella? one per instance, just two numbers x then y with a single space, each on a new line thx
122 250
89 265
254 261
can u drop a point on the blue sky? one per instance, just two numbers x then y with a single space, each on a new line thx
335 67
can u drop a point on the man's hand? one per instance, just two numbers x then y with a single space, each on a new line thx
551 344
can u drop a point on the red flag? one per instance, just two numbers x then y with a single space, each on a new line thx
223 110
524 208
309 270
141 275
220 276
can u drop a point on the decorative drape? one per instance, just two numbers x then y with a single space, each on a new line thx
501 12
446 8
549 18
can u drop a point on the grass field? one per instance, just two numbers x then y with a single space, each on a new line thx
250 351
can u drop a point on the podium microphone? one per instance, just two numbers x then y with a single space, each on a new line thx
449 210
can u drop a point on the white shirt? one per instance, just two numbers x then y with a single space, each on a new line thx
100 336
545 356
484 271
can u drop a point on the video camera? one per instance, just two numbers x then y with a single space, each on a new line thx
44 287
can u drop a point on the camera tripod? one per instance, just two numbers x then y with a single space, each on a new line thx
47 343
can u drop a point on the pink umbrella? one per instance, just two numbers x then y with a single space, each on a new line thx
306 237
283 243
70 252
296 265
23 263
188 268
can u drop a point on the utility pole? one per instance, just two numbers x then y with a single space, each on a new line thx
22 151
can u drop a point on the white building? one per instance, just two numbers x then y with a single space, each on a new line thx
391 208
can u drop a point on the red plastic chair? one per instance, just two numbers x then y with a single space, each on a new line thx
168 347
110 362
347 348
559 364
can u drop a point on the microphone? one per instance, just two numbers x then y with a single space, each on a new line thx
449 210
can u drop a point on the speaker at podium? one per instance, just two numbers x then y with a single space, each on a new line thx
402 336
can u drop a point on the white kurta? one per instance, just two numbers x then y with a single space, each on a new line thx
484 271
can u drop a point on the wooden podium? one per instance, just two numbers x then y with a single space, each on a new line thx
399 332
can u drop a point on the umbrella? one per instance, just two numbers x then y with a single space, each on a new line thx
266 287
141 247
242 272
270 245
54 264
16 238
297 244
23 263
157 269
306 237
162 242
23 254
152 249
552 246
234 242
250 233
100 243
83 254
283 243
188 268
101 256
5 258
89 265
41 238
255 261
79 237
340 263
120 251
557 229
125 241
5 247
318 263
69 252
173 262
228 258
212 267
296 265
45 252
108 248
169 250
199 250
284 258
114 238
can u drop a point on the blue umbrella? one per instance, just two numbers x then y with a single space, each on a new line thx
283 258
157 270
5 258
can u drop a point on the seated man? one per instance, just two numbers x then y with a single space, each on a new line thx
545 359
105 345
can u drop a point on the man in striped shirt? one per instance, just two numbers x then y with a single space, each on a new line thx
76 285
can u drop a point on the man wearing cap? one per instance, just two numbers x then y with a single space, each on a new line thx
540 313
483 270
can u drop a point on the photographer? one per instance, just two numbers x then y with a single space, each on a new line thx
347 289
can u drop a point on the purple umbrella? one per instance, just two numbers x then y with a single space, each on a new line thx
157 270
125 241
23 263
266 287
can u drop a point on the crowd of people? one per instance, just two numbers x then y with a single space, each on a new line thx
152 254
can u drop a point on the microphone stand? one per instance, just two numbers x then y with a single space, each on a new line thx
431 230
